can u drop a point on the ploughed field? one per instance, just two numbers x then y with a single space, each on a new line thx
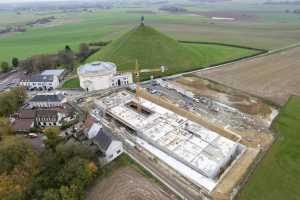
274 77
127 184
278 175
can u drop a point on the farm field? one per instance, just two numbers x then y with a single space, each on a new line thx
278 175
274 77
127 184
124 180
256 25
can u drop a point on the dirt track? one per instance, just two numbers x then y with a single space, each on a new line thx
274 77
127 184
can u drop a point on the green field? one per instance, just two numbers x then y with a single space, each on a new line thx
278 175
72 83
271 28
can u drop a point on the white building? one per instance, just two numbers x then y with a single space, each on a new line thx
41 82
47 101
55 72
109 147
124 78
101 75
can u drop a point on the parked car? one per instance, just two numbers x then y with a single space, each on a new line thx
32 135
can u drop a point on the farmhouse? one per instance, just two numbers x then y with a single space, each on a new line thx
101 75
47 101
41 82
40 116
109 147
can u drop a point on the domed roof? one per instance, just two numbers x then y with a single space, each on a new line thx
98 66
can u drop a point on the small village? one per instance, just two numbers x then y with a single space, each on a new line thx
187 135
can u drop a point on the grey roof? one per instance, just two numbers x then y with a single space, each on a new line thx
22 124
94 130
55 72
48 98
3 87
41 78
27 114
103 140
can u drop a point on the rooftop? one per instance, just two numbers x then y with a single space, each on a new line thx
39 78
97 67
26 114
103 140
46 113
94 130
22 124
55 72
48 98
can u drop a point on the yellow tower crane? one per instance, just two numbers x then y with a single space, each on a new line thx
137 71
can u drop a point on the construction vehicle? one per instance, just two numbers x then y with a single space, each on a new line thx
137 71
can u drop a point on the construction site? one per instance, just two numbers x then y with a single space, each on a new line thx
208 143
192 150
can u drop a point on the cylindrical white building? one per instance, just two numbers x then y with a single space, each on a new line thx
97 75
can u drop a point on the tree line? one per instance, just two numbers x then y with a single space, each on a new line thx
11 101
61 172
5 67
65 58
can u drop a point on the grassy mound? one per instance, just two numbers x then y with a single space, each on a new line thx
278 176
153 49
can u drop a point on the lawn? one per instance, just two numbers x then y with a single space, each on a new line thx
278 175
72 83
153 49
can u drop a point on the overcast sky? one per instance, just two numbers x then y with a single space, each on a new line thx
13 1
